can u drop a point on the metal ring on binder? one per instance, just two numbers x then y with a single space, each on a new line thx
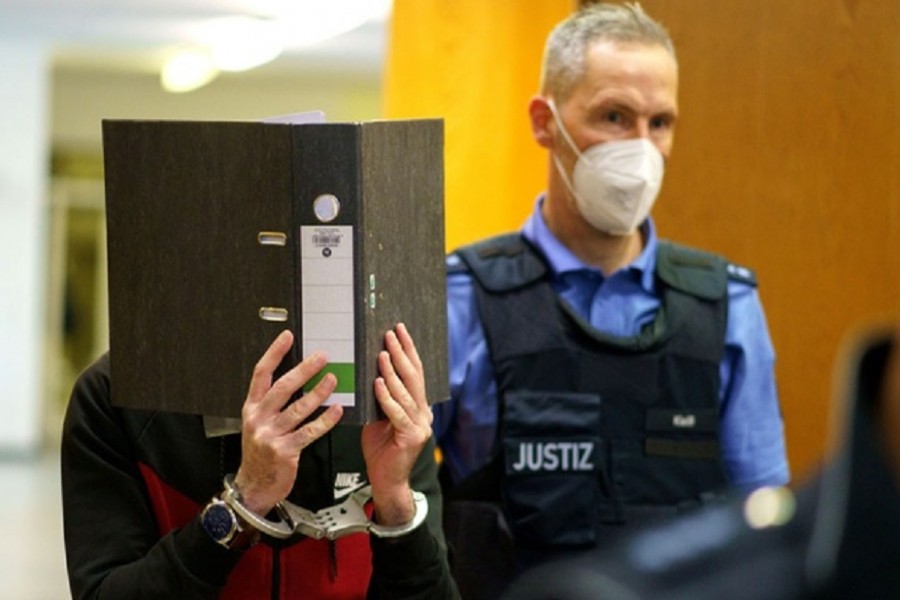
326 207
271 238
273 313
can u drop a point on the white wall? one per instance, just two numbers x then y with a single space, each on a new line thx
23 167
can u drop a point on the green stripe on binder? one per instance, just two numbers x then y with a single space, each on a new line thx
346 378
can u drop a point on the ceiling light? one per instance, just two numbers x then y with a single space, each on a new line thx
187 70
242 43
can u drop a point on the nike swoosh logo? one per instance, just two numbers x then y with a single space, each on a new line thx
338 494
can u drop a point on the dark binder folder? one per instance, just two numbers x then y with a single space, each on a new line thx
222 234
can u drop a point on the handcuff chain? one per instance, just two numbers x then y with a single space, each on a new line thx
330 522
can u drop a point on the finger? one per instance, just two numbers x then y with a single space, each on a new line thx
315 429
400 417
265 367
289 383
409 374
298 411
397 393
409 346
396 388
398 354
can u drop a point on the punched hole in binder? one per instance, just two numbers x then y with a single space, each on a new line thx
271 238
273 313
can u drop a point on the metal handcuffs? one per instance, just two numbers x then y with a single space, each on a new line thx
330 522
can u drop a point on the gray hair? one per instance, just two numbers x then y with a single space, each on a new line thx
568 43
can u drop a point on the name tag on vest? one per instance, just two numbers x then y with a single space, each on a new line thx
551 456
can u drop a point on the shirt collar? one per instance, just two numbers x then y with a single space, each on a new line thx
561 260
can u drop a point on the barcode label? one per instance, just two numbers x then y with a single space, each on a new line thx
326 239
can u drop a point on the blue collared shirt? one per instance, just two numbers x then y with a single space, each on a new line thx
751 428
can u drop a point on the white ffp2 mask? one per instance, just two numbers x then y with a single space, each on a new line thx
614 183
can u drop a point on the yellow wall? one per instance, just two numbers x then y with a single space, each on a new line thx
476 64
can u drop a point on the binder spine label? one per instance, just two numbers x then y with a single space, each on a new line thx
327 298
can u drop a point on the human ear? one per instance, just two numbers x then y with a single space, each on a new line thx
541 121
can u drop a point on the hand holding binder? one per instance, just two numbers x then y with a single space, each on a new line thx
392 445
275 430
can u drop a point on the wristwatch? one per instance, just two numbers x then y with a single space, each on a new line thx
225 527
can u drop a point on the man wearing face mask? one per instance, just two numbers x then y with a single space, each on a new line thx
600 377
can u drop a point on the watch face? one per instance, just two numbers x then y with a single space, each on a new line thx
218 522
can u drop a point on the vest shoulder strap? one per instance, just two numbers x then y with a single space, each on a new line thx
502 263
696 272
507 262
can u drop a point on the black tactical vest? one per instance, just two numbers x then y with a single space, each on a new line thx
596 431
